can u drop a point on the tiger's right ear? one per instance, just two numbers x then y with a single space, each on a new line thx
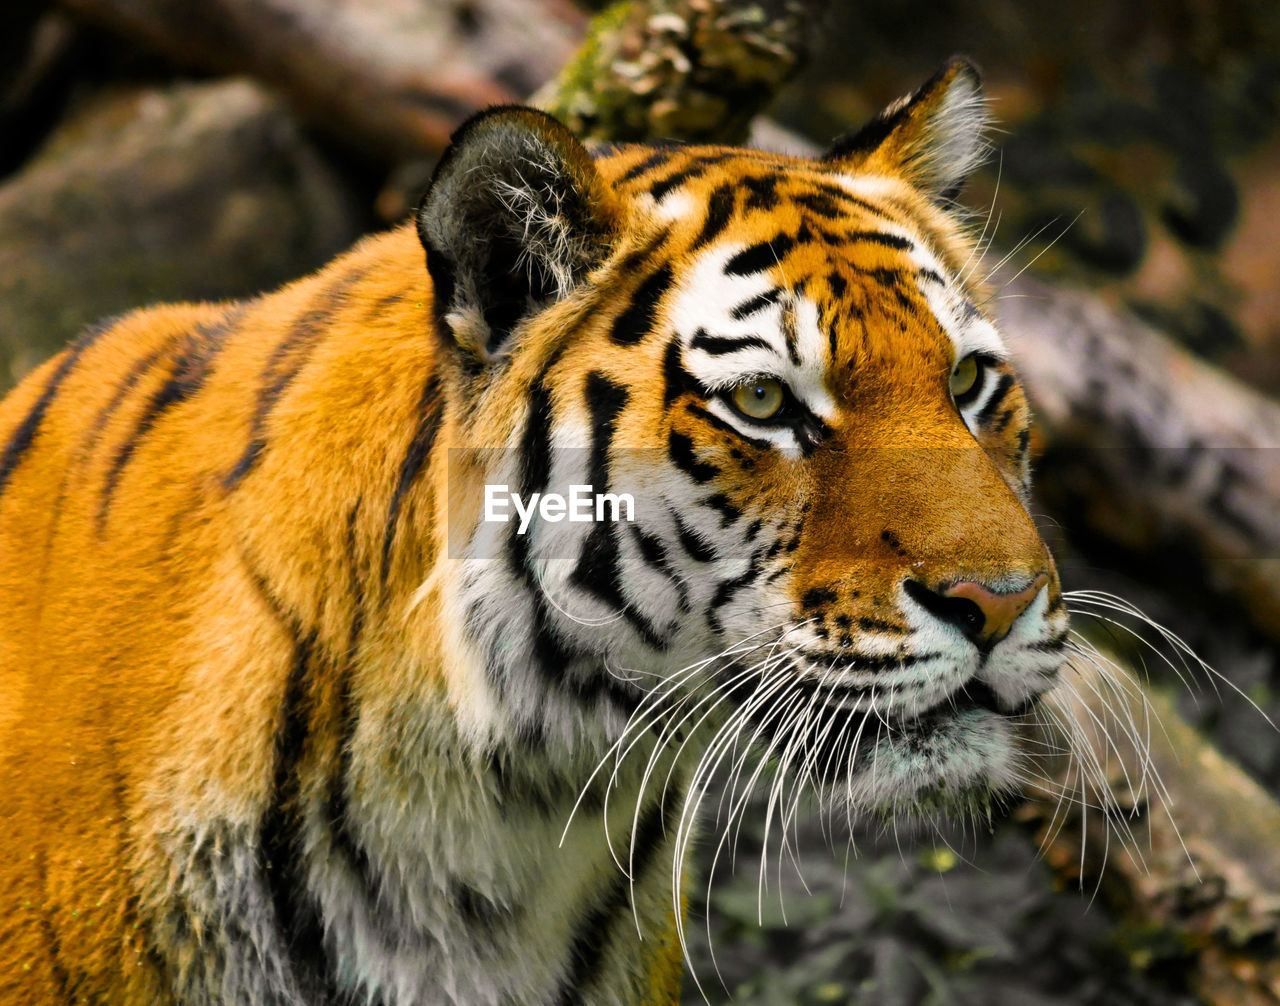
515 216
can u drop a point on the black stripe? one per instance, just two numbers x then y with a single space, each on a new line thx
415 457
837 285
760 257
484 917
763 188
190 370
842 660
719 211
680 450
676 380
720 424
881 238
675 180
595 928
791 332
1053 643
553 658
816 597
654 552
24 436
836 192
599 568
282 367
640 315
650 162
693 544
997 396
282 843
1024 441
338 807
817 203
535 470
535 445
552 655
342 832
605 401
725 591
750 307
637 259
893 277
722 505
104 415
719 345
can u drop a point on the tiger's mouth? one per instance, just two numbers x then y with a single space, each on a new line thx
974 694
979 695
958 753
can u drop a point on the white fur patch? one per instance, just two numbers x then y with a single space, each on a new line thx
707 303
956 142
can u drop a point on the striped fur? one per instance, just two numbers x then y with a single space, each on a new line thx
283 721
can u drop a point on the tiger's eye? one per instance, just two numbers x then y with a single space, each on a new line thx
964 377
759 399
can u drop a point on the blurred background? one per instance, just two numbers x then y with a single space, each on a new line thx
156 150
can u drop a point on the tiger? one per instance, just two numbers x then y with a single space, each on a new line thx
289 716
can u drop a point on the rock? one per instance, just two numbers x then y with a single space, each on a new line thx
201 191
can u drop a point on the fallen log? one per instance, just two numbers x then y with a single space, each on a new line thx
1150 448
1181 843
389 78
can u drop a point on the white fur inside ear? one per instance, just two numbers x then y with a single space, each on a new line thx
546 234
955 142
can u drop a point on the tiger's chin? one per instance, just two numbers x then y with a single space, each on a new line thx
953 763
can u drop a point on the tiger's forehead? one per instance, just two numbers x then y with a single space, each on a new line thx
795 269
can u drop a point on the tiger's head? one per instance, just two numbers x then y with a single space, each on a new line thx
786 364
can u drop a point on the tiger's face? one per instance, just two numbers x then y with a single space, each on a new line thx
785 364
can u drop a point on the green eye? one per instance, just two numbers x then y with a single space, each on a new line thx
760 400
964 378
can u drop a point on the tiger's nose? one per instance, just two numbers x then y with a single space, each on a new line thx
984 616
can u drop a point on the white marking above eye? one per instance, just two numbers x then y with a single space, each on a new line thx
706 303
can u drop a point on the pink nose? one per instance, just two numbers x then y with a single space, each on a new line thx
998 611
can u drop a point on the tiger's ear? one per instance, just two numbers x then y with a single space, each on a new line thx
932 138
515 215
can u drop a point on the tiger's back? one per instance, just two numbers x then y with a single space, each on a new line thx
139 507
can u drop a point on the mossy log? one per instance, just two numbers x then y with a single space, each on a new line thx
692 70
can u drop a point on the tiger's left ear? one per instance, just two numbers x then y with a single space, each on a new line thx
515 216
933 138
